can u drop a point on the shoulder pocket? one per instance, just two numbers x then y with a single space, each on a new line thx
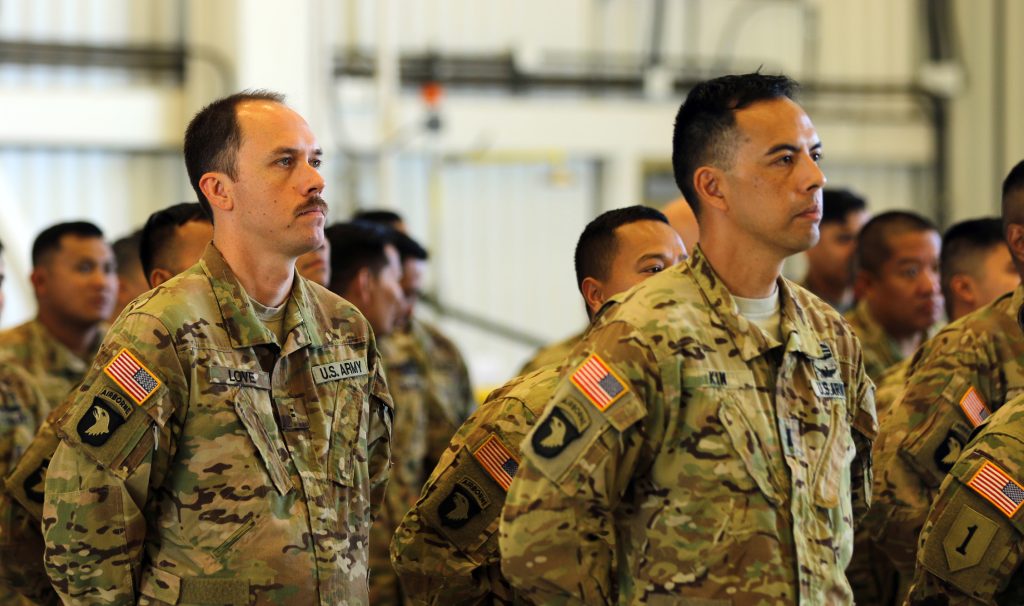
933 446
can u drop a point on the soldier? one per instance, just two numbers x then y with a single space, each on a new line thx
955 381
131 280
316 265
710 438
173 240
971 547
75 285
22 408
231 440
446 553
830 261
898 284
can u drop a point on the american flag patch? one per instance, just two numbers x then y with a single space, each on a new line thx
498 461
134 378
974 407
601 386
998 488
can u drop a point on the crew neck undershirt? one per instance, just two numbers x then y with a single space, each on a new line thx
766 312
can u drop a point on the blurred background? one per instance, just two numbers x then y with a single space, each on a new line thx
498 128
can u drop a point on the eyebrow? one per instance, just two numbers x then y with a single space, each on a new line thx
294 151
790 148
659 256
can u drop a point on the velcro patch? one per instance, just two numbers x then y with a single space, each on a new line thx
497 460
466 500
598 382
967 539
335 371
829 389
998 488
565 423
99 423
239 376
132 376
974 407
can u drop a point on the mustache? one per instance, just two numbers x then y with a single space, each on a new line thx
314 202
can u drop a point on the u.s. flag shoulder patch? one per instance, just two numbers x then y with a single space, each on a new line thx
598 382
497 460
998 488
974 407
132 376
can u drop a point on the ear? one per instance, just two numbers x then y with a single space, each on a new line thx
217 187
593 294
709 182
964 289
862 284
38 278
1015 240
158 276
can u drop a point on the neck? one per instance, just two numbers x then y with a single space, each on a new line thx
78 338
835 294
265 276
744 271
906 341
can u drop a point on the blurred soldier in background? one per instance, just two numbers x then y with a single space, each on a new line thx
710 438
173 240
131 280
316 265
454 560
830 261
898 286
954 383
75 283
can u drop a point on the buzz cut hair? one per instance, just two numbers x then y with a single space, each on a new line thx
1013 196
356 245
838 204
49 240
873 241
213 137
157 238
965 246
597 246
705 128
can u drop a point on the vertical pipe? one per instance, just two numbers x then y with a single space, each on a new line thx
387 100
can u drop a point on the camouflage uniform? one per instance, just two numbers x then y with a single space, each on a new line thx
972 544
880 351
955 380
554 354
22 408
747 494
54 368
203 463
430 384
448 556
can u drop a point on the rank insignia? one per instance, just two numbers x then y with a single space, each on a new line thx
98 423
974 407
497 460
601 386
134 378
998 488
466 500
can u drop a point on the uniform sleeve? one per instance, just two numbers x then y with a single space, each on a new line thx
865 430
557 530
921 438
378 439
972 542
445 555
116 441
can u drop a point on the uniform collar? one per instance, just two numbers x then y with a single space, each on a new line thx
750 340
243 326
57 356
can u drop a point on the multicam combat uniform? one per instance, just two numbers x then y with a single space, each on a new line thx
52 365
880 351
554 354
204 463
956 380
688 454
430 385
22 409
972 545
445 551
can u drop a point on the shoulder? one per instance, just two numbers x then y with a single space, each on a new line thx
17 335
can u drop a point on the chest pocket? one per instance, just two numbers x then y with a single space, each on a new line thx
341 377
258 421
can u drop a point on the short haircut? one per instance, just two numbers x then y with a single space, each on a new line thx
1013 196
126 252
157 237
213 137
873 240
837 204
705 124
597 245
356 245
964 248
378 215
48 240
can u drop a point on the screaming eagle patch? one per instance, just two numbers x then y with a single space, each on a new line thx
98 423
